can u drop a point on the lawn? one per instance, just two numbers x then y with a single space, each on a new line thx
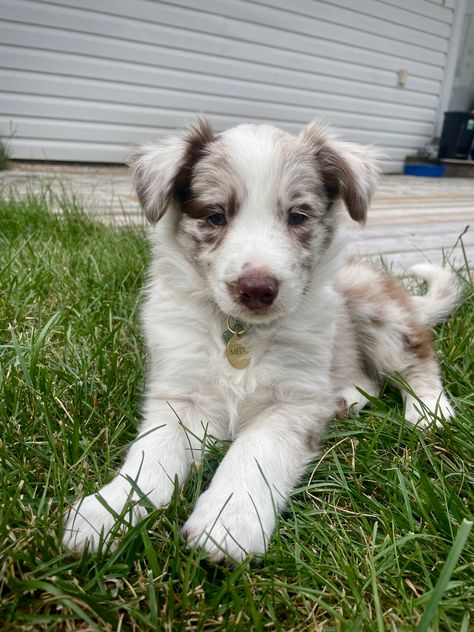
373 539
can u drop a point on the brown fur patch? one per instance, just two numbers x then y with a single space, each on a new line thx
377 321
328 221
338 177
397 292
196 208
197 140
232 205
209 237
296 195
379 294
305 208
354 296
303 234
376 294
420 342
292 205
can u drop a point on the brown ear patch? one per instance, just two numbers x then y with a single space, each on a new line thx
348 171
197 139
163 169
340 181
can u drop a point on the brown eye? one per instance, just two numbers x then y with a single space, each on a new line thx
218 219
295 218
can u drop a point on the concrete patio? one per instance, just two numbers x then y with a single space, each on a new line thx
411 219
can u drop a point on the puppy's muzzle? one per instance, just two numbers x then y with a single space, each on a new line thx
257 292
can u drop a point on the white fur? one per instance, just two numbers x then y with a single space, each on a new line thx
444 292
304 353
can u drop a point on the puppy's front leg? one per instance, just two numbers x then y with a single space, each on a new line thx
161 453
236 515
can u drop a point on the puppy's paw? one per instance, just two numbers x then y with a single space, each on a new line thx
229 525
350 400
431 412
93 520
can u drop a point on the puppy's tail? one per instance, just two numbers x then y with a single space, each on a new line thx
443 294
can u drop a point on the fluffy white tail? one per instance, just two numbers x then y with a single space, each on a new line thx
444 292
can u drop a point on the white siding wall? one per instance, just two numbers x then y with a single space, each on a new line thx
83 79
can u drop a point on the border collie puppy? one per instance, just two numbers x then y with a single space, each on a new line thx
258 329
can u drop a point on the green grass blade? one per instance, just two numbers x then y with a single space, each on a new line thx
376 599
445 575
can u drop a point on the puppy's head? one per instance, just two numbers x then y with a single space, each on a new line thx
254 207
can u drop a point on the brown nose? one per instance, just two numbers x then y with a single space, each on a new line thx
256 292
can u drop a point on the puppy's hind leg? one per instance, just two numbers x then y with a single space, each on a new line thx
424 397
422 372
425 401
393 336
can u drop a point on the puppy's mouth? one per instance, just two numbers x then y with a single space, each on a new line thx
258 315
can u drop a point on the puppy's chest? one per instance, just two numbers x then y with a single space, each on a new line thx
239 361
237 366
190 355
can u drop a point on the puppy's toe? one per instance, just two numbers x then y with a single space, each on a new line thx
95 520
87 524
228 530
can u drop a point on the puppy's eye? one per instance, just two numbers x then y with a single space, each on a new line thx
218 219
295 218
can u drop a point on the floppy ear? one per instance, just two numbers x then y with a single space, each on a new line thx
348 171
163 170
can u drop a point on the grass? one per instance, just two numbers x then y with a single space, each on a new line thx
374 538
4 152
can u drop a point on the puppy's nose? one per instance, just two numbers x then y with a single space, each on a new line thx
256 292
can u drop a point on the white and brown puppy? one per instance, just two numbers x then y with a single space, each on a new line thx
256 328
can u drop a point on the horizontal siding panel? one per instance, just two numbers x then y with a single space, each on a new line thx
54 129
154 76
273 46
27 82
67 150
437 10
207 17
320 18
15 104
306 75
130 114
83 80
427 19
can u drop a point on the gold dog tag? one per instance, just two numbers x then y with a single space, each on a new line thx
237 353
